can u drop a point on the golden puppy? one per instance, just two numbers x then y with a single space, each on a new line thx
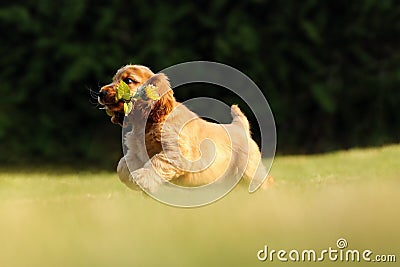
168 142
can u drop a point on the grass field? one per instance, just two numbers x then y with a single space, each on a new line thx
54 218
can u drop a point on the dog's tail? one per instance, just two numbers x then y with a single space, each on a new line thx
239 117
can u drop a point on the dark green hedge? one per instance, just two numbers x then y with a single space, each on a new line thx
330 69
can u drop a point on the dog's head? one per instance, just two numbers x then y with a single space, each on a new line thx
135 76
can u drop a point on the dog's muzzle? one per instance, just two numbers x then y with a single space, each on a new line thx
102 95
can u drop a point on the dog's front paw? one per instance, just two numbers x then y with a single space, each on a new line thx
125 175
147 179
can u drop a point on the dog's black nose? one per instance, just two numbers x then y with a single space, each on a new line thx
102 94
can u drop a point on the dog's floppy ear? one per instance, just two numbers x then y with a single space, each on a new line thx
165 104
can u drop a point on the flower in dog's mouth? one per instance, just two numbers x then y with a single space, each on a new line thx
123 93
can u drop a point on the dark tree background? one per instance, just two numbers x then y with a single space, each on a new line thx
329 69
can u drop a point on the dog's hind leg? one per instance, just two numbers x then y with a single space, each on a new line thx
255 173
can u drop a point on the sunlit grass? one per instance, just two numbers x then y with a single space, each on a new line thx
90 219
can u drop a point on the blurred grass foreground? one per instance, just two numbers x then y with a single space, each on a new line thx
91 219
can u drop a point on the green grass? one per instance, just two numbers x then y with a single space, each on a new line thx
90 219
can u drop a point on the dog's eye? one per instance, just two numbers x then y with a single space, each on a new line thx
129 81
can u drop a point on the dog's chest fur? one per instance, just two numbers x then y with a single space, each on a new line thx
153 139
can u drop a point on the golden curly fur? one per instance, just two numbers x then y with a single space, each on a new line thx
168 142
